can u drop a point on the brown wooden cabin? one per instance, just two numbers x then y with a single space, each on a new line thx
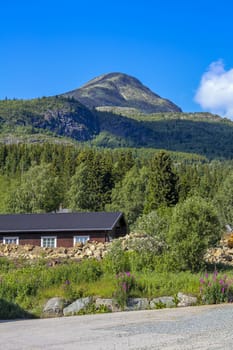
61 229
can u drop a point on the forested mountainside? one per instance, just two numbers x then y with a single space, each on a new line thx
55 115
204 134
59 119
115 110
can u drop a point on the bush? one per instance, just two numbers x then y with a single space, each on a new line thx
194 227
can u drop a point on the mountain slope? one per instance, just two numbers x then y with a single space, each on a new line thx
59 118
120 91
57 115
200 133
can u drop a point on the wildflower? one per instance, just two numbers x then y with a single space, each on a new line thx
128 273
206 275
202 281
67 282
222 290
221 282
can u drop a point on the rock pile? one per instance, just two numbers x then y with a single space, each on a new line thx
30 252
223 254
80 251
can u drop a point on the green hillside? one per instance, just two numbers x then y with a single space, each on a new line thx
55 116
200 133
62 120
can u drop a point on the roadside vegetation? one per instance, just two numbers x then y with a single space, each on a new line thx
25 288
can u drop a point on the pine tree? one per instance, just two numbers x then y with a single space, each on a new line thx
162 188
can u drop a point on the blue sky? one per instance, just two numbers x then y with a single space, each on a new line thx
50 47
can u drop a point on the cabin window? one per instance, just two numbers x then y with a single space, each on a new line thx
10 240
49 242
81 239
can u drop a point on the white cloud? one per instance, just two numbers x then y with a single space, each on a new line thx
215 92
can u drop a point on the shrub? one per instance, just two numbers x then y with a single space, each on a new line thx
194 227
215 289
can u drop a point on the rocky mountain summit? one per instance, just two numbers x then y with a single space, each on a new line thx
118 91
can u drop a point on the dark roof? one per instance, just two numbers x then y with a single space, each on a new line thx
97 221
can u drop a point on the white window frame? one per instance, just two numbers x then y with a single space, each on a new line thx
11 238
81 239
48 237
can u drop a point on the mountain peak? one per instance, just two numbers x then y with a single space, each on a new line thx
119 90
115 77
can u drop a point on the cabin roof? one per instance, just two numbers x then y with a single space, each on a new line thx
81 221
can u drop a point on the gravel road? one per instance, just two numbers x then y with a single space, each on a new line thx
205 328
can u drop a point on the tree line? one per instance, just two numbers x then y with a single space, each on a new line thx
82 178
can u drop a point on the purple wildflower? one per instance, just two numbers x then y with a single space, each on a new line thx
202 280
222 290
67 282
128 273
206 275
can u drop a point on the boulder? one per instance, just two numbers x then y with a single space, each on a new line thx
158 303
109 303
137 304
76 306
186 300
54 307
